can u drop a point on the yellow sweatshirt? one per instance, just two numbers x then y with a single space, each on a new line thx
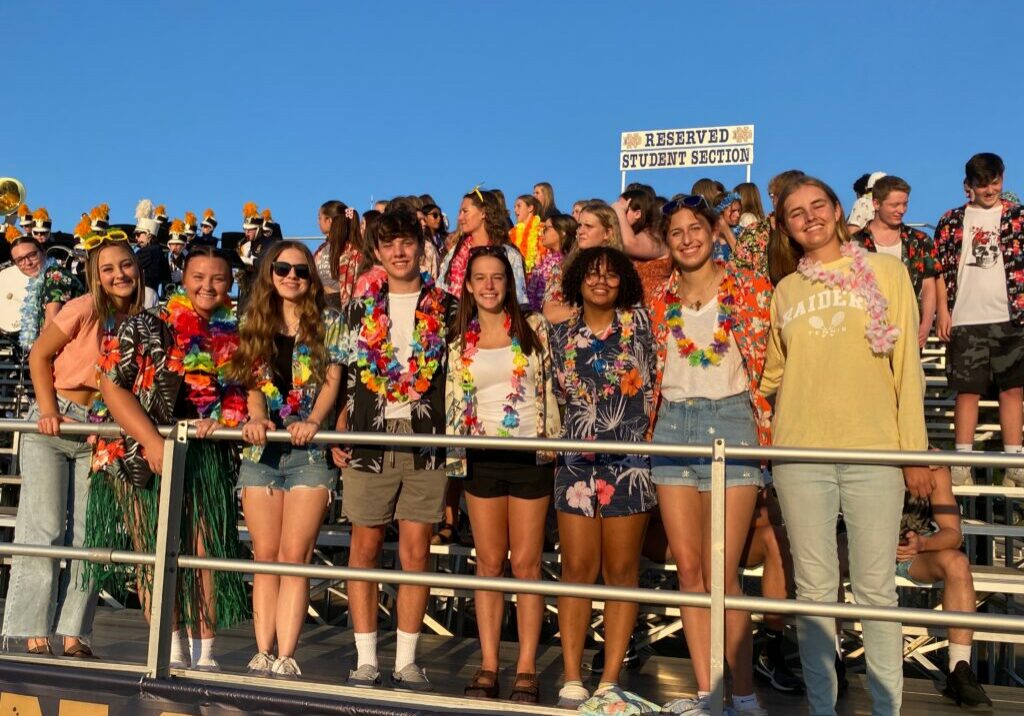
832 391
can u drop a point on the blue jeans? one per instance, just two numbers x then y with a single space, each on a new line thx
283 467
42 601
871 500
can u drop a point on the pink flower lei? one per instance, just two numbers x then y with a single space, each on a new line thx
860 281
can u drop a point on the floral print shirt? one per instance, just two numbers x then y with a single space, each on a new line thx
452 273
300 400
918 255
52 285
540 278
949 241
751 250
751 295
595 409
545 401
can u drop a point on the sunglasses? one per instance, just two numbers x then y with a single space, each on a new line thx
40 234
434 214
686 201
91 241
283 268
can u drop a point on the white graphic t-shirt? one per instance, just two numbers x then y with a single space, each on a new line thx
981 291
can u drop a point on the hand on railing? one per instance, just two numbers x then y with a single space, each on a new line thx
254 432
205 427
919 480
49 423
302 432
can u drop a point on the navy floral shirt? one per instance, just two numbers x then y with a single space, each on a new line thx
918 255
606 398
949 241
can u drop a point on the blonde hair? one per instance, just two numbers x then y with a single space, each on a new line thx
609 220
103 302
263 320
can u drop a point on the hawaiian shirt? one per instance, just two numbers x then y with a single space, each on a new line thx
949 240
549 421
54 285
453 269
367 409
597 409
540 277
918 255
305 388
751 294
142 361
751 250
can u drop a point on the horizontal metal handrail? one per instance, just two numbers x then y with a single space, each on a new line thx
908 615
774 453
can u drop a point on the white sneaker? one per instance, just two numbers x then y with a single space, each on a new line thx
1013 477
961 475
754 709
261 664
285 668
571 696
208 664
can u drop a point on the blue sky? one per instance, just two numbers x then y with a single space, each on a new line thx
197 104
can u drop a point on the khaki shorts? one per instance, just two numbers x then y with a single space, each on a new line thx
400 492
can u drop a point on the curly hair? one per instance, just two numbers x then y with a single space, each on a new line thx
614 261
264 319
495 214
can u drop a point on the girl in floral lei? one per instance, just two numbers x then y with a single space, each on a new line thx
283 359
846 319
500 383
604 359
49 286
164 367
558 237
55 468
711 332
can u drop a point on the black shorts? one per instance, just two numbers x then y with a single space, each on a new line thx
507 473
985 354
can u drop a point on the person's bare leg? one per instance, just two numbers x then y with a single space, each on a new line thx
262 510
965 418
304 509
526 538
1011 415
621 540
951 567
489 518
414 553
364 553
581 563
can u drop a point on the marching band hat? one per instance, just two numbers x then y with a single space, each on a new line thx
99 217
209 219
24 217
251 216
177 232
41 220
190 224
144 220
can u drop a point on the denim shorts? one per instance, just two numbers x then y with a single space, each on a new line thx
701 421
283 467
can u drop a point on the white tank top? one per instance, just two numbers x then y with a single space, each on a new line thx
492 377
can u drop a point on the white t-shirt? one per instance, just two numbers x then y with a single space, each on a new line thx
682 381
863 211
894 250
492 377
981 290
402 312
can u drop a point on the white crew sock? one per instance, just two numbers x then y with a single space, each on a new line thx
958 653
703 694
202 650
745 703
405 649
179 651
1014 449
366 649
964 447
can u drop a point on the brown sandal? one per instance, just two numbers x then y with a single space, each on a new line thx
41 649
80 651
525 689
483 685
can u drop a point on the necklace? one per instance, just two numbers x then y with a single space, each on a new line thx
695 305
711 354
379 368
862 282
616 374
510 422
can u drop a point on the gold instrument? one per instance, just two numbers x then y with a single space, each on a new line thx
12 195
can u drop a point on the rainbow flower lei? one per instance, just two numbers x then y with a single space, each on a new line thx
617 374
297 402
379 369
510 421
711 354
201 352
526 237
862 282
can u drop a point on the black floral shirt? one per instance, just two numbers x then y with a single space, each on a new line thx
949 241
918 255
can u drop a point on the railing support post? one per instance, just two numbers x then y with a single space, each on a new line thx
168 546
718 578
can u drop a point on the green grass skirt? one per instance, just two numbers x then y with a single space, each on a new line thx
123 517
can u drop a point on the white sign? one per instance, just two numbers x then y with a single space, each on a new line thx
685 148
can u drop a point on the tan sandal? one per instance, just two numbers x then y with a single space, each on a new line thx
525 689
483 685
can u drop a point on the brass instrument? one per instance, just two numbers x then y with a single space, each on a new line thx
12 195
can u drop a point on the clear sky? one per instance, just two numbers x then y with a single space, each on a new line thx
288 104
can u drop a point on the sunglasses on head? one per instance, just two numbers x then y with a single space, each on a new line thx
686 201
496 251
91 241
283 268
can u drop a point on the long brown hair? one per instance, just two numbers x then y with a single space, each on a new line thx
101 300
519 328
264 319
783 253
344 230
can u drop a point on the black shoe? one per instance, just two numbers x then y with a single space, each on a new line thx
963 687
631 659
841 674
778 675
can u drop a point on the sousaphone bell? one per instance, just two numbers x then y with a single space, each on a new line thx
12 195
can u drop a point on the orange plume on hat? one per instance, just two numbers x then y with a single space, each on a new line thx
100 212
267 216
250 209
41 214
208 214
190 218
84 227
160 210
12 233
178 226
23 211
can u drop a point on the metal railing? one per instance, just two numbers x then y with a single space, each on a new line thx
166 560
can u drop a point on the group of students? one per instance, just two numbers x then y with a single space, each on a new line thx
623 341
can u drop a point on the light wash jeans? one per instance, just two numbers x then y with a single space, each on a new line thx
41 601
871 500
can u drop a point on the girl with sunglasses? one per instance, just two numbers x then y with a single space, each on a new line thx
41 602
711 333
338 258
162 368
283 360
500 383
49 286
604 359
557 237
